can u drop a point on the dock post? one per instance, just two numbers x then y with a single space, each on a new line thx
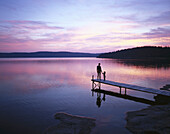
99 85
92 93
93 82
125 91
120 89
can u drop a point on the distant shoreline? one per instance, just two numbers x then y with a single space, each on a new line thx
47 55
41 57
137 53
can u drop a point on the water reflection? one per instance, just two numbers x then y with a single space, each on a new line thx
32 90
103 93
32 75
150 63
29 75
101 96
134 74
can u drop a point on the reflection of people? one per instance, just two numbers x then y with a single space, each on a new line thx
104 98
104 75
99 70
98 102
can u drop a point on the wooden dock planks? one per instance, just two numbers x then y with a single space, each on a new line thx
133 87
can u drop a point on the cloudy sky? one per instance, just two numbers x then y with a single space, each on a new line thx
83 25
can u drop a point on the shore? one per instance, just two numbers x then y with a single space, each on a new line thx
71 124
151 120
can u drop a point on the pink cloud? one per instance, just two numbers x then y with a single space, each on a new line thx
163 18
31 36
40 36
33 25
158 33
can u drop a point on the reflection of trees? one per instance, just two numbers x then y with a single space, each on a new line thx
150 63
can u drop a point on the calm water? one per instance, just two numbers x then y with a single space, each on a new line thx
33 90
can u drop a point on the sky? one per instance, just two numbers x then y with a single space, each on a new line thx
93 26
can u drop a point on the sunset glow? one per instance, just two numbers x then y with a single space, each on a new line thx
82 25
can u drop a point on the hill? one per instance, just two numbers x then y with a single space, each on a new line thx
45 54
146 52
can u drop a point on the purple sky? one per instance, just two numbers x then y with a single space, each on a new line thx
83 25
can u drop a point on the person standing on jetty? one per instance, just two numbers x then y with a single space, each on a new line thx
104 75
99 71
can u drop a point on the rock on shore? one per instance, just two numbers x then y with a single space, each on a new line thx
70 124
152 120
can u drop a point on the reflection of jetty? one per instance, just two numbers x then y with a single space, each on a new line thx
128 86
124 96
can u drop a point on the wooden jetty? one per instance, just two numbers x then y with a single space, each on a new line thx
128 86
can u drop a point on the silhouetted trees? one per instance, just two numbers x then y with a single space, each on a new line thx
146 52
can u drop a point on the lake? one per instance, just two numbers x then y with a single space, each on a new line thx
32 90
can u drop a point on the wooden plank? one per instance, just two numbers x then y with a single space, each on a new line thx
134 87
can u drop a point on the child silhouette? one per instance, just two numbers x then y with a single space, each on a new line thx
104 75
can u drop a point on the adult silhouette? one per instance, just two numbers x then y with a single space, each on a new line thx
99 100
99 71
